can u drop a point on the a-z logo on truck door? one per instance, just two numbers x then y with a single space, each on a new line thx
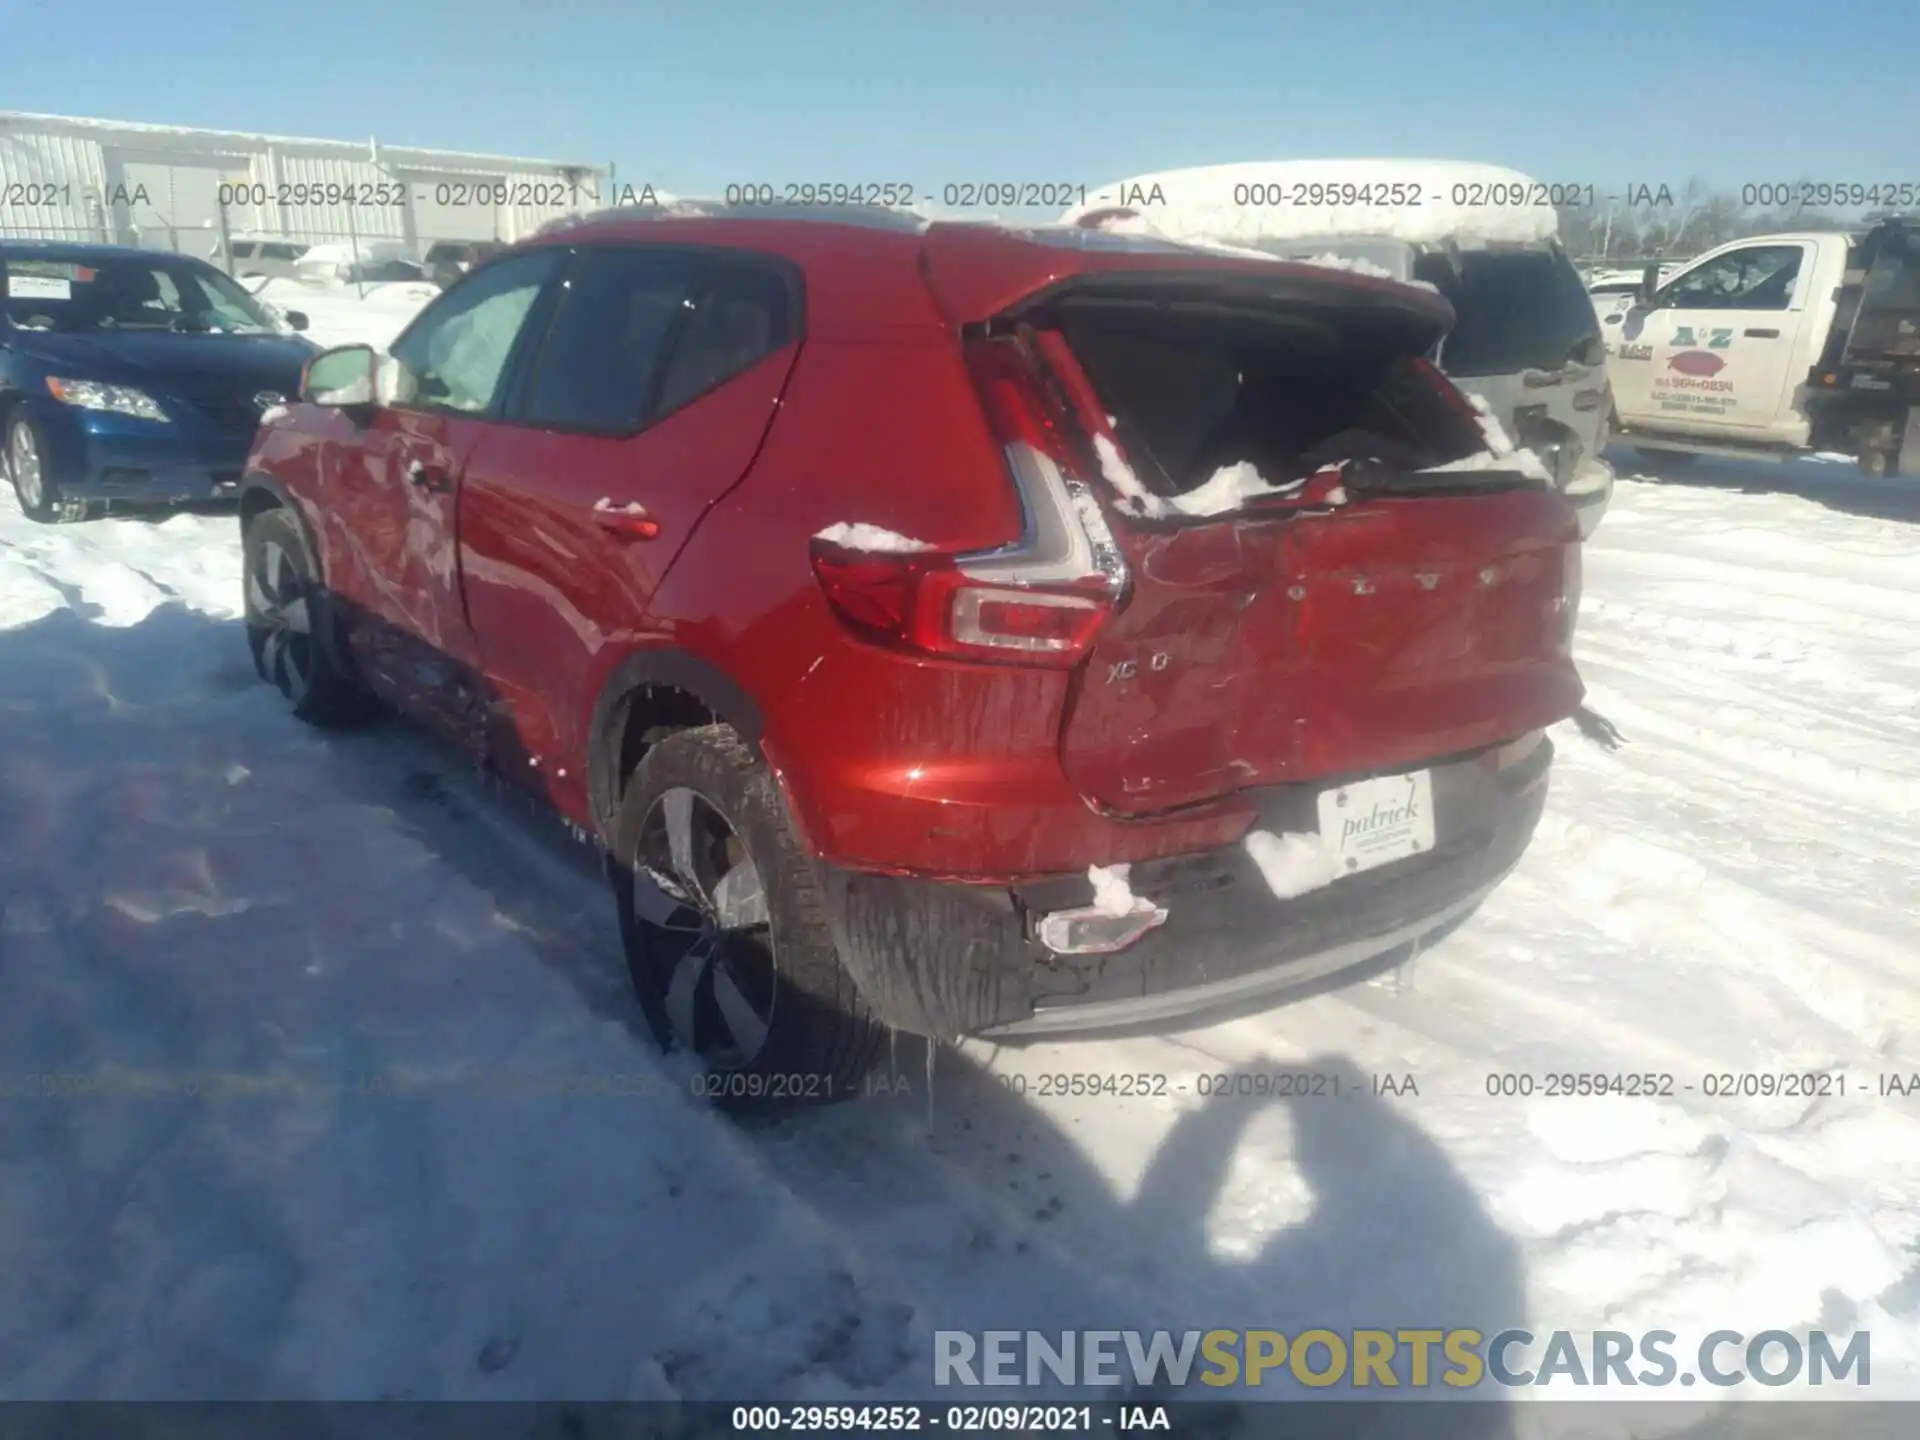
1691 338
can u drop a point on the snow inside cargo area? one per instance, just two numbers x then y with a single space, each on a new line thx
1416 201
430 1151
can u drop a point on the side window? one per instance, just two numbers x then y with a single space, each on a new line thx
742 314
455 354
601 357
1755 277
243 249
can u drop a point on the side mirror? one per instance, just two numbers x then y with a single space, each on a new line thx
1649 284
297 319
341 378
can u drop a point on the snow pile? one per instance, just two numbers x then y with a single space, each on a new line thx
1224 491
1524 461
1498 441
1214 202
1501 453
1229 488
1291 864
274 412
1134 495
1112 895
871 538
605 506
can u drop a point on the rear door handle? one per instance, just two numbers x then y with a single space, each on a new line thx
1761 334
629 522
426 477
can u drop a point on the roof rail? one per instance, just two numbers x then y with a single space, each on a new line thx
868 217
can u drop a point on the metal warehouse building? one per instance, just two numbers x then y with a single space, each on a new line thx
165 187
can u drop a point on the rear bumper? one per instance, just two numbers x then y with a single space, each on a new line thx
954 960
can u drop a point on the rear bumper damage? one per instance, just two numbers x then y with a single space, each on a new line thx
951 960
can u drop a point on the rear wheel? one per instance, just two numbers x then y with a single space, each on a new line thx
292 628
725 934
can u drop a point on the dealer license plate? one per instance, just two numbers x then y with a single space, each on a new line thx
1375 822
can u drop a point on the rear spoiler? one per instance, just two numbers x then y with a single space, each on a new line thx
978 273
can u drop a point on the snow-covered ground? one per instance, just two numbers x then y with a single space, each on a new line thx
380 975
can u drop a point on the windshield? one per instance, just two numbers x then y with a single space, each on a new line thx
85 293
1519 309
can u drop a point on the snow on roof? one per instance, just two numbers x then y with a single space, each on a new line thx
1245 204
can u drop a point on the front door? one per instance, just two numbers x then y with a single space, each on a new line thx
1714 352
398 491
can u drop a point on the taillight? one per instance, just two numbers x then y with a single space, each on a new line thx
928 603
1034 622
1039 600
1017 407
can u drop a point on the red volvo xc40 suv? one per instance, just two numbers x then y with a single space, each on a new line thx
945 627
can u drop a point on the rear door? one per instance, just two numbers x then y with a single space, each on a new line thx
645 403
1359 621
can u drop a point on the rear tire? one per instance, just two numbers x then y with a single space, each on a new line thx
293 629
726 936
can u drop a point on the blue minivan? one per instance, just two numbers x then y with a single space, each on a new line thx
132 376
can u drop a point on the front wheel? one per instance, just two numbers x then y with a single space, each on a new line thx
726 936
292 629
30 468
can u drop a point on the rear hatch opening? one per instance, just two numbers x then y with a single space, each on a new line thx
1202 396
1328 573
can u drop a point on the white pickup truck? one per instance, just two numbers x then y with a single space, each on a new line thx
1776 346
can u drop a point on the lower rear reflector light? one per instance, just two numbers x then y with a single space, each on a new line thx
1090 930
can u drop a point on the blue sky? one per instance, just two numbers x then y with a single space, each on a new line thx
697 95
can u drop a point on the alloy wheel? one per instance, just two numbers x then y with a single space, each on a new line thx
699 896
279 610
23 461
